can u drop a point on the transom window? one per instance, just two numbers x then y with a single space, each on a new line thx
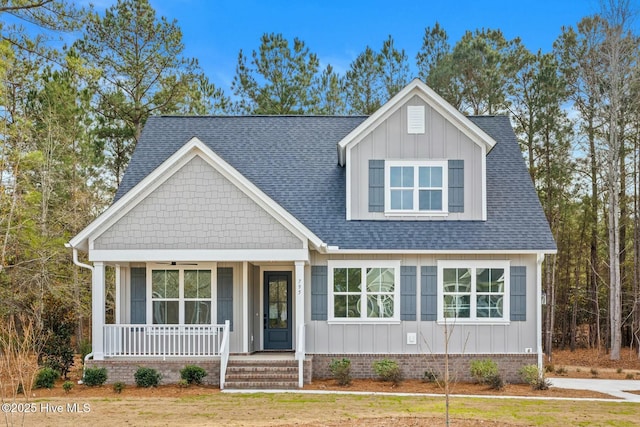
473 291
181 296
362 290
416 187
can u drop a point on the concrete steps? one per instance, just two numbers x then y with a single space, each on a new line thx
262 374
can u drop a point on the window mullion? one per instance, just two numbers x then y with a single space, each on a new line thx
363 293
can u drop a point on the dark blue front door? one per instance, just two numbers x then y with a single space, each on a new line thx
277 310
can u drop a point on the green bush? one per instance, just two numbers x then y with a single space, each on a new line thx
495 382
430 376
147 377
193 374
95 376
59 323
483 369
341 370
118 387
388 370
46 378
67 386
183 383
531 375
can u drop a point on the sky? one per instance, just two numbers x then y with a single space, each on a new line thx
214 31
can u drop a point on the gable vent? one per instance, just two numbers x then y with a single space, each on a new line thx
415 119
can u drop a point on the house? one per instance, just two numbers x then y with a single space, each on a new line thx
320 238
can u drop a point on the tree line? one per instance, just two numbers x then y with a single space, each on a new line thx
71 117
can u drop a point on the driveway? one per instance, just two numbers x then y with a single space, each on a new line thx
615 388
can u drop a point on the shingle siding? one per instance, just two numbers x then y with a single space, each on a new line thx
197 208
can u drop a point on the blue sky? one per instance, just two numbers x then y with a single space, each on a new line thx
214 30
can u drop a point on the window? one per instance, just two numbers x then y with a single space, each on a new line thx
416 187
181 296
364 291
473 291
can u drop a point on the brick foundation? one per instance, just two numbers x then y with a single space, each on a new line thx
414 366
124 370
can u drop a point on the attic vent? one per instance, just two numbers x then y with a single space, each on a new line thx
415 119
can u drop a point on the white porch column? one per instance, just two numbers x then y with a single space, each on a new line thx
97 310
299 290
246 316
118 295
539 261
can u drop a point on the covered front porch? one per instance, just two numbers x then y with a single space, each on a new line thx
201 311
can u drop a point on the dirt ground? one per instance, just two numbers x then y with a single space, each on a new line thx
583 363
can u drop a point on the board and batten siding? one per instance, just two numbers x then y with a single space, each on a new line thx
442 140
197 208
339 338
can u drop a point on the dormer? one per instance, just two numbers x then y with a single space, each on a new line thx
416 158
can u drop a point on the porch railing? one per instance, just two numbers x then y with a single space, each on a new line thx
164 340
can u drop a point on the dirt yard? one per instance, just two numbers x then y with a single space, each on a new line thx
170 404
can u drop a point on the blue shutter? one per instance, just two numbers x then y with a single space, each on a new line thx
429 293
225 295
138 295
376 185
518 286
408 288
456 185
319 289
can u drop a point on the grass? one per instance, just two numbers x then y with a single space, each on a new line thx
232 409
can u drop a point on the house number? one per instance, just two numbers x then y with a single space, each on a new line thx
299 286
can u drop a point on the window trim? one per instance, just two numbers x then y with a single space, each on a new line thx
363 264
181 298
474 265
416 164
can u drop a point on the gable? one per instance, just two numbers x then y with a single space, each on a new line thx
404 138
197 208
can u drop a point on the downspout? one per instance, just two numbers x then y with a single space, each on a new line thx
89 267
539 261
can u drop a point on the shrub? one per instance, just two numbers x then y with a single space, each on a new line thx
594 372
495 382
619 370
193 374
341 370
67 386
118 387
388 370
95 376
549 368
46 378
561 370
429 376
183 383
532 376
629 376
147 377
59 322
483 369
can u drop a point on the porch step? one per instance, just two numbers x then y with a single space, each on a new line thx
262 374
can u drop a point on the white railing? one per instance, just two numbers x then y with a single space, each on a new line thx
224 353
300 353
164 340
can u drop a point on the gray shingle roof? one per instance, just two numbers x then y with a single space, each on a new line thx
294 160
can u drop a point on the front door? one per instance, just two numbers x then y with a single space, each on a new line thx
277 310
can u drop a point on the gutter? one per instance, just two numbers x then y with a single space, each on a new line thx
89 267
